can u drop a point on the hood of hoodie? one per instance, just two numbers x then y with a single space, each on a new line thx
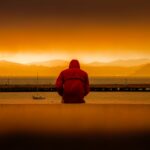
74 64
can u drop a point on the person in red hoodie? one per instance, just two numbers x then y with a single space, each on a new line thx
73 84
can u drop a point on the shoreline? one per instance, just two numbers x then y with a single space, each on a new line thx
93 88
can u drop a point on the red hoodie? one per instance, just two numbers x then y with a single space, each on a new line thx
73 84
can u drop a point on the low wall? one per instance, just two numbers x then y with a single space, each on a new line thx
94 88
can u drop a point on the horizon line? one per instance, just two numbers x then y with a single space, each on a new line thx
82 62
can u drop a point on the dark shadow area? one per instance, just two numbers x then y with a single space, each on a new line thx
27 141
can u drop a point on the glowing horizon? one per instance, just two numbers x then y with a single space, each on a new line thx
87 42
27 58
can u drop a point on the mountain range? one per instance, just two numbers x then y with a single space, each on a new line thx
125 63
53 68
51 63
143 71
121 63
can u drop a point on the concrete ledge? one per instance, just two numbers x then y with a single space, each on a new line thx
74 118
77 126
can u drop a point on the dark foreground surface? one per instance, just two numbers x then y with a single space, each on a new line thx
79 126
24 141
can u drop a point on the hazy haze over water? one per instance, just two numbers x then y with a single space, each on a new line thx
92 98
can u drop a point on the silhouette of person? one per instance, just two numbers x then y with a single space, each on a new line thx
73 84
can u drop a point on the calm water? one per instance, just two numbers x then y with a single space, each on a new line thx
92 98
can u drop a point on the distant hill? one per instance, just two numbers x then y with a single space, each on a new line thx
123 63
130 62
4 63
96 63
51 63
120 63
143 71
15 69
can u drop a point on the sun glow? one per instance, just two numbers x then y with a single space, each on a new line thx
27 58
86 57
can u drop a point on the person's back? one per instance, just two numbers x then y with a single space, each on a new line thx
73 84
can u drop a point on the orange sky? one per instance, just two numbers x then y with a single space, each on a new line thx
88 42
90 35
